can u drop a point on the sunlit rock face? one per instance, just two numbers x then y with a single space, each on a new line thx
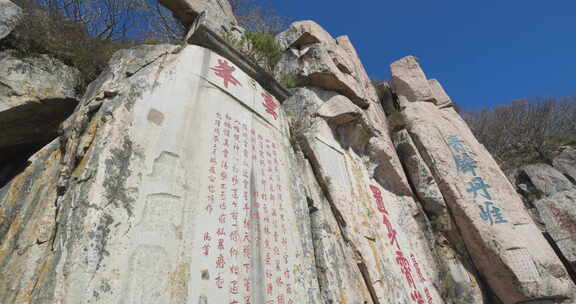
36 95
10 14
549 194
504 243
218 13
363 209
179 179
170 185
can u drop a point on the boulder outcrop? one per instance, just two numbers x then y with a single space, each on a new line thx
36 94
505 245
565 162
218 14
10 14
187 175
320 61
544 179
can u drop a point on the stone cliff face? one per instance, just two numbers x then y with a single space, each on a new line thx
183 176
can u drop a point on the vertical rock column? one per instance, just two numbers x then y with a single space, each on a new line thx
372 240
505 245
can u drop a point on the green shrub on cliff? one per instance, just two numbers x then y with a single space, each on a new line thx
261 48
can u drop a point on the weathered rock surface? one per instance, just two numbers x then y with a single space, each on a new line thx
505 246
316 58
566 163
361 202
419 174
545 179
301 34
440 96
451 246
10 14
549 195
409 81
558 212
320 198
219 14
134 208
36 94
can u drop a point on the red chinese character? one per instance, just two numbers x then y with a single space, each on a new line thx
247 285
405 268
289 288
209 208
221 244
279 281
247 300
247 267
270 104
207 236
206 249
224 71
219 282
220 262
268 259
417 297
269 289
233 252
391 232
428 296
280 299
234 287
234 236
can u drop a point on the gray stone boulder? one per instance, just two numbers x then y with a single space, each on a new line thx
10 14
312 55
36 94
219 14
409 81
543 178
301 34
566 163
558 212
440 96
419 174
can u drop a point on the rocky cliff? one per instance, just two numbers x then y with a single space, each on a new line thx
187 174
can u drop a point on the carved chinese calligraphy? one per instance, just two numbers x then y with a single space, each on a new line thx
246 199
506 247
405 263
477 188
224 71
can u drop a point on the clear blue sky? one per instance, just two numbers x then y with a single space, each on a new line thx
483 52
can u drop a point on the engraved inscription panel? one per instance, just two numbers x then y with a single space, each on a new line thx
522 265
335 163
